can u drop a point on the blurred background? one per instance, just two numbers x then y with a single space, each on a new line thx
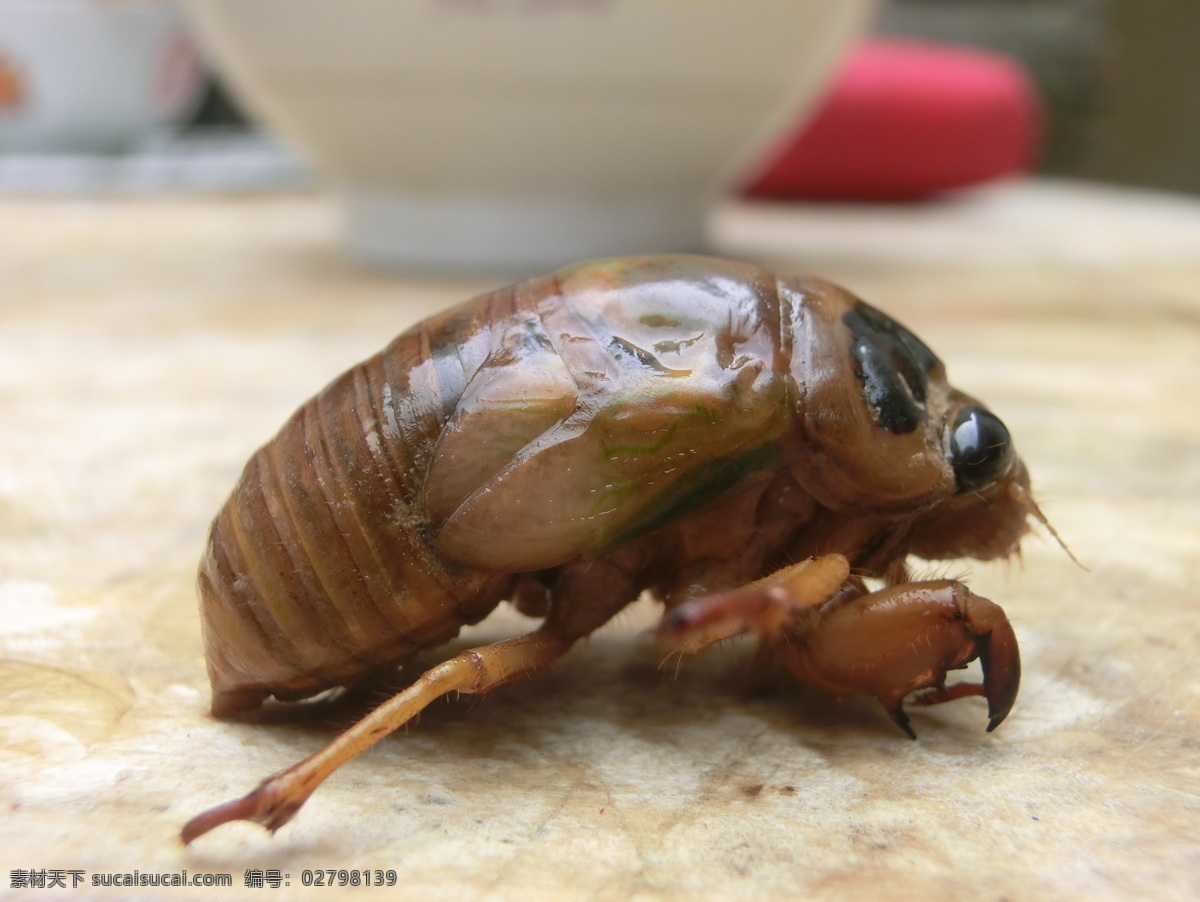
1116 78
463 133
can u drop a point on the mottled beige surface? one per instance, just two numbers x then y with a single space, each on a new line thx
147 346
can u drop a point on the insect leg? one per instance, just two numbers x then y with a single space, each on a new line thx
277 799
767 607
941 694
904 639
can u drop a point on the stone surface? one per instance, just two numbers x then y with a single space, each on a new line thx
146 348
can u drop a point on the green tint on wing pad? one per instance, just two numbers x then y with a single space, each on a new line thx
604 476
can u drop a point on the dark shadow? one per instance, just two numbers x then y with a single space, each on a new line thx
627 681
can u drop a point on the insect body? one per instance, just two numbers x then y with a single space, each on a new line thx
730 441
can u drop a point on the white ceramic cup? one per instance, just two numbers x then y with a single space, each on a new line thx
520 134
92 76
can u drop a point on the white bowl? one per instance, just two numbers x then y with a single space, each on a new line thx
526 133
91 75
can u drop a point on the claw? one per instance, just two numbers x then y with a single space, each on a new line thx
271 804
999 656
890 644
903 640
901 718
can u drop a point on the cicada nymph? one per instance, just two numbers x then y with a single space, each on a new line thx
747 448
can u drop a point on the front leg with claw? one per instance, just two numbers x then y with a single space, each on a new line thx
901 640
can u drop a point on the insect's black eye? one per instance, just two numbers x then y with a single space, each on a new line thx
981 450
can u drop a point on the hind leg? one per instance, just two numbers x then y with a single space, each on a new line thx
277 799
584 595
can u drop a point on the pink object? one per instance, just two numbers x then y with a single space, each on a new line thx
904 120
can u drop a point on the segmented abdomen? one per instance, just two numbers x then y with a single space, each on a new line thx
320 567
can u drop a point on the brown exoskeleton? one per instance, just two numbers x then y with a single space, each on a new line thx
745 447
